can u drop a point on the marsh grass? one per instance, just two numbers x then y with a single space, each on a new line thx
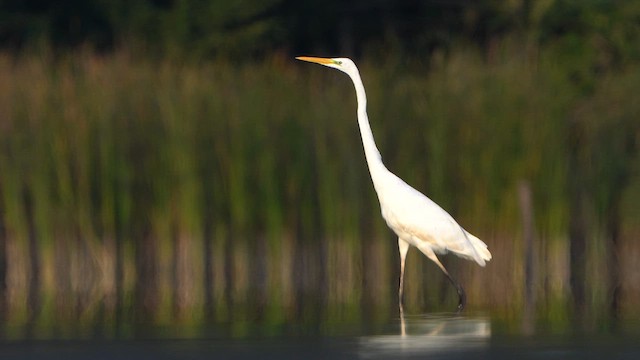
226 192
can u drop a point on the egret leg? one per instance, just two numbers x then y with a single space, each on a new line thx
462 297
403 325
403 246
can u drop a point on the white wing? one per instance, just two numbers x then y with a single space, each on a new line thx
417 219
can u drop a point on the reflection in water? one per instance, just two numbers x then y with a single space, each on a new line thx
429 334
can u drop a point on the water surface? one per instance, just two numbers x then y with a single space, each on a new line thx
432 336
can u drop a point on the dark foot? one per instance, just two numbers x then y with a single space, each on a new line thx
462 297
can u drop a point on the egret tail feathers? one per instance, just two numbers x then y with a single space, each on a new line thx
481 249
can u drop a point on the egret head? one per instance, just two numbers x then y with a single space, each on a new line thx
342 64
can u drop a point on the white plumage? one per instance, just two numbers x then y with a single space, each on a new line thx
416 219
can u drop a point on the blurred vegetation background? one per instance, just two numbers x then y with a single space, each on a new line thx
168 161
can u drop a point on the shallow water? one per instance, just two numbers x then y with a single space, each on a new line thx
411 337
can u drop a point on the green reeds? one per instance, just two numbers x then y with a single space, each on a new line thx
135 190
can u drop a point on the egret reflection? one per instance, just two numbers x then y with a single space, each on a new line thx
429 334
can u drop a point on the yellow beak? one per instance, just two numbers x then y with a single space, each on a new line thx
317 60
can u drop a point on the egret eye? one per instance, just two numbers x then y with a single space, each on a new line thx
338 62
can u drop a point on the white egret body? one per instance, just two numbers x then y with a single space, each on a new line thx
415 218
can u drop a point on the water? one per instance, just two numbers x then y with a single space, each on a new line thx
440 336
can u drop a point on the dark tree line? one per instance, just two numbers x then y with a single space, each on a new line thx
201 28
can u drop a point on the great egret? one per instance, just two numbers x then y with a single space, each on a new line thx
415 218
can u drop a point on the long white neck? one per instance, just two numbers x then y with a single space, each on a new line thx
374 159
